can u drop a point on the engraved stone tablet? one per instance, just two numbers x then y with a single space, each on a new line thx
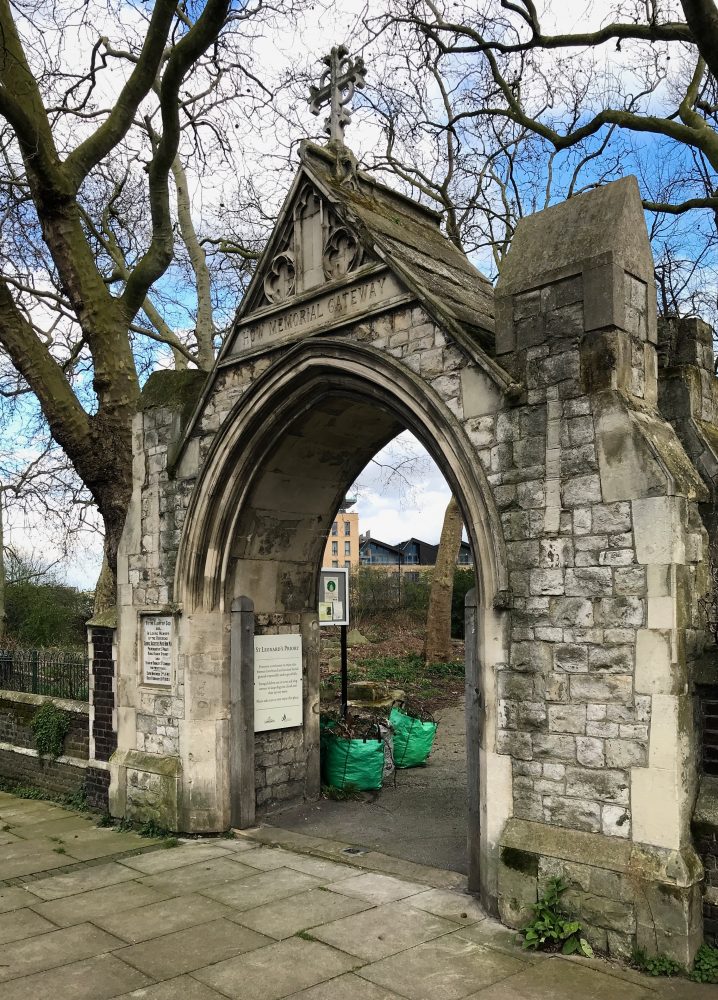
277 682
157 649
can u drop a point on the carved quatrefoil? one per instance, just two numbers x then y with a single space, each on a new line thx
342 253
279 282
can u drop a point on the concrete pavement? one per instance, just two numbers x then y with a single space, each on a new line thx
270 914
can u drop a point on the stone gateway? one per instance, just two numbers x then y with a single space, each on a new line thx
581 483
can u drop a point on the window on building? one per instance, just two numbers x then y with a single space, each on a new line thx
335 564
335 528
347 548
347 527
347 564
335 548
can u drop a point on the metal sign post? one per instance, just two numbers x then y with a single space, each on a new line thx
334 610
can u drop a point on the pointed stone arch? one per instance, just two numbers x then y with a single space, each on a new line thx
310 372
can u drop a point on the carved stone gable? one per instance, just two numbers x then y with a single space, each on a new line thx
315 247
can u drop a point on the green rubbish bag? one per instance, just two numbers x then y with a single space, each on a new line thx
413 739
352 763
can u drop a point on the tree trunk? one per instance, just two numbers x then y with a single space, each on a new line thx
106 589
437 646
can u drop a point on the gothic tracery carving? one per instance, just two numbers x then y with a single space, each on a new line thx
342 253
280 279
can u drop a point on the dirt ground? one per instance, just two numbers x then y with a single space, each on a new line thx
392 654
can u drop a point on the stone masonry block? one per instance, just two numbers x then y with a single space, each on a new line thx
658 528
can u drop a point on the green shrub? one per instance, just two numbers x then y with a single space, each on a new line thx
47 614
705 967
553 929
50 725
656 965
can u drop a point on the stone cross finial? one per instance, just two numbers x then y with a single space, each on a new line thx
337 85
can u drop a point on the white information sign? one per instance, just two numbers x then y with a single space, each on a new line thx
277 682
333 603
157 649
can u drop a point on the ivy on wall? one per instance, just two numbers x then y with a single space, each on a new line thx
50 726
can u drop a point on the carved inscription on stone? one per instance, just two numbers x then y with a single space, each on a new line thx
330 309
277 682
157 649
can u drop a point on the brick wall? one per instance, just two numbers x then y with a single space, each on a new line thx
19 762
102 685
17 711
54 776
97 788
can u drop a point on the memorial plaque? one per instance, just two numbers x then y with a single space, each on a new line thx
157 649
277 682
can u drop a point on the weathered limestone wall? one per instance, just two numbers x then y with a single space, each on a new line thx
688 398
607 562
583 510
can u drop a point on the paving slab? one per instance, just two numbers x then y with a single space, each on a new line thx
91 979
176 857
181 988
383 930
88 843
232 843
112 899
183 951
376 888
28 857
273 972
262 887
445 969
561 980
459 906
286 917
53 827
155 919
14 898
60 947
18 924
196 877
81 880
22 811
348 987
267 858
330 871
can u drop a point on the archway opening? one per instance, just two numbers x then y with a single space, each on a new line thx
386 535
269 493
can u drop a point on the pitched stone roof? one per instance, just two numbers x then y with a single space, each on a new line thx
407 236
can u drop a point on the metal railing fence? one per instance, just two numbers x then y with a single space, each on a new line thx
56 673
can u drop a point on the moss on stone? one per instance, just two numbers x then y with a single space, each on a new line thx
520 861
172 390
104 619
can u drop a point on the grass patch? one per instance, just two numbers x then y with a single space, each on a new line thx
305 936
403 670
348 793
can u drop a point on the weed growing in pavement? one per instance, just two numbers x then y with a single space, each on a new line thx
656 965
551 929
705 967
